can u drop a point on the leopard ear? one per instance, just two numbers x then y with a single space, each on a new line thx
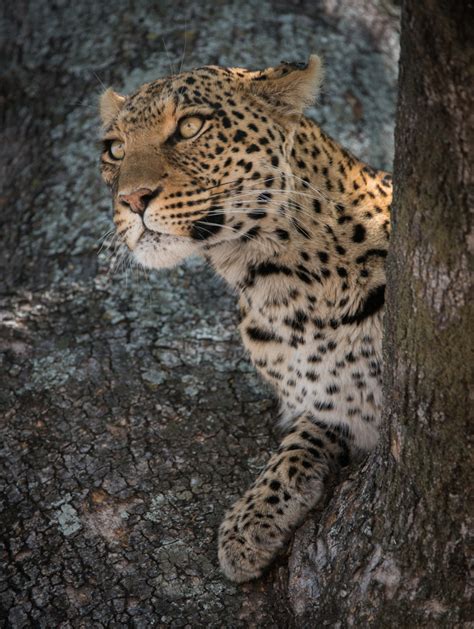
110 104
289 87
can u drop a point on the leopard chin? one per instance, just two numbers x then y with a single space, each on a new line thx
160 251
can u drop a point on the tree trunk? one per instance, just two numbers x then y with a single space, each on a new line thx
391 548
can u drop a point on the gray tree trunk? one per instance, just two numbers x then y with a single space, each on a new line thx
391 548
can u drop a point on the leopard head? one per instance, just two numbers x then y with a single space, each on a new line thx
194 159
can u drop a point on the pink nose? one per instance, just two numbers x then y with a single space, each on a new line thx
137 200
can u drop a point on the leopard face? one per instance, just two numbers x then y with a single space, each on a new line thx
194 159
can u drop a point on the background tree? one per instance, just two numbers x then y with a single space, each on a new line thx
391 549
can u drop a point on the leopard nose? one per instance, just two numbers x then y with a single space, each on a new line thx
138 200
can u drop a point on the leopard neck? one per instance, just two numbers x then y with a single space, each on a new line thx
335 222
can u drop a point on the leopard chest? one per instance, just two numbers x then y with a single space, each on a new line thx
332 372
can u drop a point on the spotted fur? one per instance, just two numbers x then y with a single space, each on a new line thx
299 227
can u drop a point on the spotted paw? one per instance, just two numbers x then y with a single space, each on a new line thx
250 538
258 526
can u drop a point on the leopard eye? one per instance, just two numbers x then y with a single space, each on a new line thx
117 149
190 126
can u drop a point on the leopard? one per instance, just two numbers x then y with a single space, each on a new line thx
223 162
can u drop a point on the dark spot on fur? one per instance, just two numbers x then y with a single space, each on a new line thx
359 233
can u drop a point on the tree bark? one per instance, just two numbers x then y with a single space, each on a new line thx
130 416
391 548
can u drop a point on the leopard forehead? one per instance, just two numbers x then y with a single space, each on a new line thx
208 87
285 90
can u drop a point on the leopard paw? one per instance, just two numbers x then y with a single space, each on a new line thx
251 536
258 526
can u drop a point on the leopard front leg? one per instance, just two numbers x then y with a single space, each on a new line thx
259 524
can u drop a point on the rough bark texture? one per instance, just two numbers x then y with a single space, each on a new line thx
391 548
130 415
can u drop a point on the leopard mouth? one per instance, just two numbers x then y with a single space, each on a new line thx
149 232
158 250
